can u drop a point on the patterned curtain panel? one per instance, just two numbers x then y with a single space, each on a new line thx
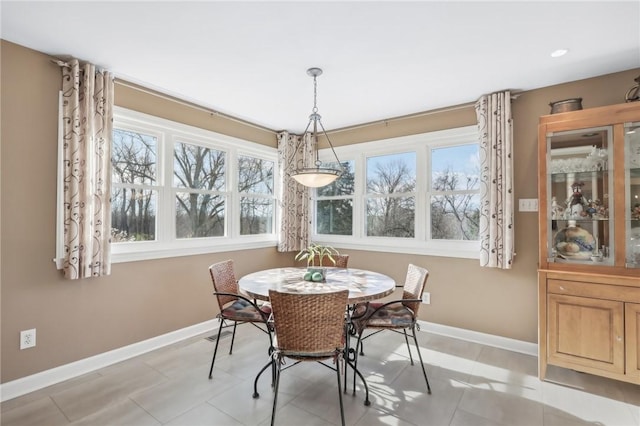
496 180
294 224
87 130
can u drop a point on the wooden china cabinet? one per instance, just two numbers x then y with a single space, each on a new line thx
589 221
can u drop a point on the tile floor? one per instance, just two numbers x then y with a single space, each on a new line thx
472 385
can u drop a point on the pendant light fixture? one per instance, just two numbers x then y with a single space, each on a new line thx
316 176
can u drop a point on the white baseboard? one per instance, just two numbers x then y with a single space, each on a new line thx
55 375
482 338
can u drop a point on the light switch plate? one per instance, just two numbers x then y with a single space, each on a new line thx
528 205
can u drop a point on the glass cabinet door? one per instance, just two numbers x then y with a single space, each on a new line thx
579 184
632 202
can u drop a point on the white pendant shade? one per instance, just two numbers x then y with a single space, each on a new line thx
316 177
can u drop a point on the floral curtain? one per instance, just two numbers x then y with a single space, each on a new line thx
293 153
87 121
496 180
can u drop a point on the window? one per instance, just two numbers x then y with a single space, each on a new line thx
199 182
390 197
455 192
134 194
334 204
180 190
255 185
415 194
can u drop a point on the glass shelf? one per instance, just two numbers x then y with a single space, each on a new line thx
562 176
585 220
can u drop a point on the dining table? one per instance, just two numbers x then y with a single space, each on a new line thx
363 285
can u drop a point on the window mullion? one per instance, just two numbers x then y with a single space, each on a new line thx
421 206
232 196
359 189
166 194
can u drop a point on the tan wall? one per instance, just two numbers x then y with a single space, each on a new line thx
140 300
78 319
138 99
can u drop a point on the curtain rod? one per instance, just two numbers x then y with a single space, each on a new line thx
386 121
60 63
190 104
159 94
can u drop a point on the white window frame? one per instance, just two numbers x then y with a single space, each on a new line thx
421 244
166 244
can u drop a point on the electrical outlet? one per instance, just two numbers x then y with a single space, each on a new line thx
426 298
27 338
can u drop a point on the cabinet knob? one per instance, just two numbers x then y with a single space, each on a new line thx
619 338
562 288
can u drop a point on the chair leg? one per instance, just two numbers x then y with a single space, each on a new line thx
347 352
275 395
271 364
424 372
355 361
406 339
340 390
364 382
233 336
255 382
273 367
213 360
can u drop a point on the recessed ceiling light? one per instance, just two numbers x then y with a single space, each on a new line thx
559 52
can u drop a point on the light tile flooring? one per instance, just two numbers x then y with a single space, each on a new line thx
472 385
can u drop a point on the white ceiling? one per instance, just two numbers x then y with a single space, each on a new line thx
380 59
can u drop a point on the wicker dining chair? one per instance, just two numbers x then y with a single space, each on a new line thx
235 308
309 327
397 315
341 261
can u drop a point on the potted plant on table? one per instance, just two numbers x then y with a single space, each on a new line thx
316 252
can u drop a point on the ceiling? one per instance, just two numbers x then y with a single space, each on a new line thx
380 59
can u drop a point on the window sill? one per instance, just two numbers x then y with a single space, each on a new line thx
133 252
126 253
454 249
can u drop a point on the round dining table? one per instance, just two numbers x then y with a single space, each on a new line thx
363 285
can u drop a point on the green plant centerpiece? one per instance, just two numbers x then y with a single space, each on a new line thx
316 253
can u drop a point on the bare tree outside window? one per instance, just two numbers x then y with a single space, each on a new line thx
334 204
390 203
200 212
255 182
134 195
455 199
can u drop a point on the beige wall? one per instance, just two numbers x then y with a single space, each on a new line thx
78 319
140 300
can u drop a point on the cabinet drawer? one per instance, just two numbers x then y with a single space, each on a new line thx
598 291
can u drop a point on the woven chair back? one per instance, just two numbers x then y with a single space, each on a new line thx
341 261
414 286
224 281
309 324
